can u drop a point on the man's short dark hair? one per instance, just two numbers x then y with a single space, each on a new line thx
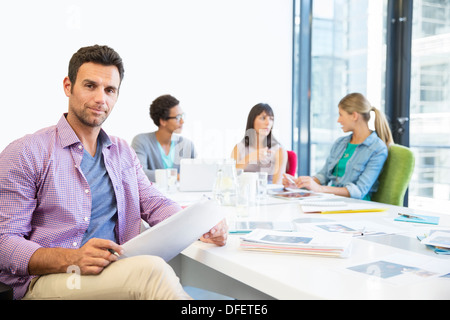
160 107
103 55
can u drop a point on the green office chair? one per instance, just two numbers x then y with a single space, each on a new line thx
395 176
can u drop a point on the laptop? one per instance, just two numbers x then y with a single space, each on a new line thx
198 174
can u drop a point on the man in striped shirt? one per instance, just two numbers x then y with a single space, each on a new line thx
70 195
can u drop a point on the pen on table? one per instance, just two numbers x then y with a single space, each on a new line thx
409 216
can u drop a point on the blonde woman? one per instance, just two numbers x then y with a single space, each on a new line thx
355 160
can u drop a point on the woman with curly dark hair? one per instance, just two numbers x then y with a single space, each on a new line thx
164 148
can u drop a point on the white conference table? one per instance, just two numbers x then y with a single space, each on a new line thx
241 274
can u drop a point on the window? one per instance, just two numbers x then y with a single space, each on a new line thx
348 54
430 101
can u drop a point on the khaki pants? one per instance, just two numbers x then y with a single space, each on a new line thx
140 277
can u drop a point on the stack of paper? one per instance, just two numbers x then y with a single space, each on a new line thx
334 245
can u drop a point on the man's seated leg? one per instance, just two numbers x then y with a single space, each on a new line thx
140 277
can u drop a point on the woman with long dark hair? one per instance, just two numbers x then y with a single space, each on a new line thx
259 150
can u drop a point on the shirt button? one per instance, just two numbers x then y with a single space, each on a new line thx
86 190
86 218
74 244
80 146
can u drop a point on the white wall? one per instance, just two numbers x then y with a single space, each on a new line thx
218 57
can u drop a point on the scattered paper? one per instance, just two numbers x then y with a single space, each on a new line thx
402 269
355 228
246 226
294 194
341 207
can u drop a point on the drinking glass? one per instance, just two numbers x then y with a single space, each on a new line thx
261 187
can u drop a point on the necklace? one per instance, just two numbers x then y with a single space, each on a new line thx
337 170
348 152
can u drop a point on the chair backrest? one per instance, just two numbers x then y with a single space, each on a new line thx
291 167
395 176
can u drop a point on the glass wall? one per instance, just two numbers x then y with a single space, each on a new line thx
348 54
430 105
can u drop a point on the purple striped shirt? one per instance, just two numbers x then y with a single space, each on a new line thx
45 200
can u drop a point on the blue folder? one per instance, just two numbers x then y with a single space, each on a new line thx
419 219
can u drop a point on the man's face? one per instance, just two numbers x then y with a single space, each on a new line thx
94 93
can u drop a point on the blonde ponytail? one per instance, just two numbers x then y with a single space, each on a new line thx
356 102
382 127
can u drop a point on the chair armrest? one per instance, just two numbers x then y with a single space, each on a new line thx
6 292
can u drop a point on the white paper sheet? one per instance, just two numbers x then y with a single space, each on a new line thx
355 228
401 269
309 207
171 236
